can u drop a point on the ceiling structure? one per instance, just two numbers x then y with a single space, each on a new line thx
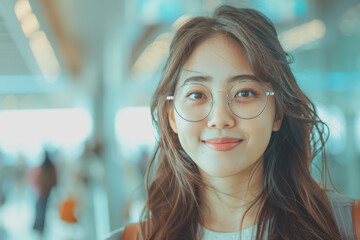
11 61
78 32
15 53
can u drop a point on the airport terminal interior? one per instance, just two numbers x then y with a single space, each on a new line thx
76 81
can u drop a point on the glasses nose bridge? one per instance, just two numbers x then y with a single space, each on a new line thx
226 102
219 91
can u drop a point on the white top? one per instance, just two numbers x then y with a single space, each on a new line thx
246 234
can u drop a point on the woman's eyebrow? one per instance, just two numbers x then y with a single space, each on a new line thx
244 77
197 79
203 78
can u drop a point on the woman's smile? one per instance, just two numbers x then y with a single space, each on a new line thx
222 144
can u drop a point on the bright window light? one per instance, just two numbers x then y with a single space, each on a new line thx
28 130
134 130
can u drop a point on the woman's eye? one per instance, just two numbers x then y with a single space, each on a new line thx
197 96
245 93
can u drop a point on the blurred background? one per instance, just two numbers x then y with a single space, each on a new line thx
76 78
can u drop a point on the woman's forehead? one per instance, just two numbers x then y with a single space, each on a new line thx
215 57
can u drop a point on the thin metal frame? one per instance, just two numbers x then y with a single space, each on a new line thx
171 98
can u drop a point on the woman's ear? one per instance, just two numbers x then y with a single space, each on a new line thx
277 122
171 117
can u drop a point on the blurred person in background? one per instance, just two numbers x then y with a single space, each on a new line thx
3 234
44 178
237 138
13 185
78 182
2 189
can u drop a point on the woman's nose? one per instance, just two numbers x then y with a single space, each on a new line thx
220 116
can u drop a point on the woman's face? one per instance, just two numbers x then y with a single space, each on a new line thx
222 144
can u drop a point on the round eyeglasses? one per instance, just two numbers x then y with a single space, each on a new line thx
194 101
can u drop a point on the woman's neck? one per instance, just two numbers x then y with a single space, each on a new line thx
228 198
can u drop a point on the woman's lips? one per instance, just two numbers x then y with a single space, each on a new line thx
222 144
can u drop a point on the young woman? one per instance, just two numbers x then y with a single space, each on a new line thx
237 138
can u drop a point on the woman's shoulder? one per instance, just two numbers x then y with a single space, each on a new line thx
115 235
342 209
340 200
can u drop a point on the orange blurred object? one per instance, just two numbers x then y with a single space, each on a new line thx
67 210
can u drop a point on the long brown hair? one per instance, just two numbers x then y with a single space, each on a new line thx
294 205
